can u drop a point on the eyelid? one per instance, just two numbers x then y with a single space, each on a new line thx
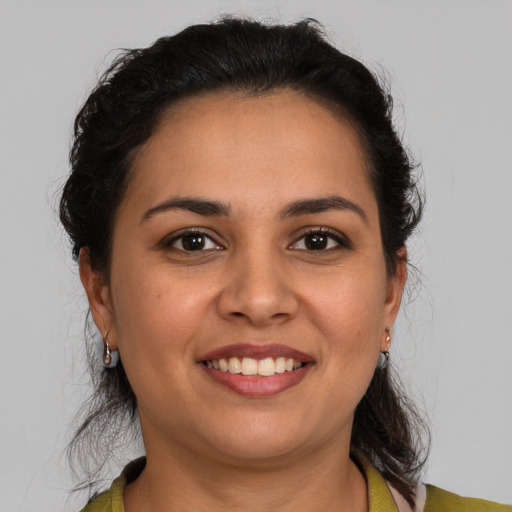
168 241
341 239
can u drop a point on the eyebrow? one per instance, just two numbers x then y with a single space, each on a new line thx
195 205
209 208
323 204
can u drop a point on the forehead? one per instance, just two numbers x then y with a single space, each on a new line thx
259 147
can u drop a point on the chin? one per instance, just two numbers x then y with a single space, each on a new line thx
258 450
261 439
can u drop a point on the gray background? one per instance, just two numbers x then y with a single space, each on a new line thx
450 66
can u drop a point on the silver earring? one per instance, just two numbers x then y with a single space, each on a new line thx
384 354
383 359
110 357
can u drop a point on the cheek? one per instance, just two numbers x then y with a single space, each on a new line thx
155 310
350 303
158 317
349 314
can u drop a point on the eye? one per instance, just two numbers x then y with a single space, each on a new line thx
320 240
193 241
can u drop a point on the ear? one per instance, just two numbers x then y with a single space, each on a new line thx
98 294
394 290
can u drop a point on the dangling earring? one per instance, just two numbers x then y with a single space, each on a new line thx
107 358
110 357
384 354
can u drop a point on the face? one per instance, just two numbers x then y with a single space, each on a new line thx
248 231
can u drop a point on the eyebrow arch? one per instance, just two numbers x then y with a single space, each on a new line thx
195 205
322 204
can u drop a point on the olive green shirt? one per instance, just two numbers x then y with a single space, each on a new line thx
380 496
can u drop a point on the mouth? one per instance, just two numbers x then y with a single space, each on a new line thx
257 370
249 366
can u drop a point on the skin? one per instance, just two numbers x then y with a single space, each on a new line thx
209 448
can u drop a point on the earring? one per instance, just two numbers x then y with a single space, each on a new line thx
107 358
110 357
384 354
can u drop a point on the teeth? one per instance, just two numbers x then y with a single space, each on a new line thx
249 366
234 365
280 365
266 367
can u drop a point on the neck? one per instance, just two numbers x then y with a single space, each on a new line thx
325 479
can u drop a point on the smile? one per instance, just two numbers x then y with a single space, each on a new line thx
257 370
248 366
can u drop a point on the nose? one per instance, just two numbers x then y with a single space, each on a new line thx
258 291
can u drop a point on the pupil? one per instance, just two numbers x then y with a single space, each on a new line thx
316 242
193 242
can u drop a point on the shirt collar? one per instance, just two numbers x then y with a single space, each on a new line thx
379 495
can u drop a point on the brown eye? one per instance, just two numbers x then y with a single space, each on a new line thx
316 241
193 241
321 241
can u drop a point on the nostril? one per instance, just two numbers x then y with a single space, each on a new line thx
256 303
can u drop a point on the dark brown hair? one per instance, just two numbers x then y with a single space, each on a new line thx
239 55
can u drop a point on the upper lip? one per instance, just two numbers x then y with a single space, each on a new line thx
256 352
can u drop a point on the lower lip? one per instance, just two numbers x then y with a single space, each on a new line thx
255 385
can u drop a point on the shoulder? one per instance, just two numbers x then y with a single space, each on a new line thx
382 496
439 500
111 500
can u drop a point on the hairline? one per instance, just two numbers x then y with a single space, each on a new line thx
165 112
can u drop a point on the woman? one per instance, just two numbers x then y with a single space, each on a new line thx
240 203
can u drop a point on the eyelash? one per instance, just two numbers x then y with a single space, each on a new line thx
168 243
341 241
